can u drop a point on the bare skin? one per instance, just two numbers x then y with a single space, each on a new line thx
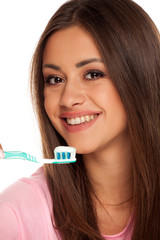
1 152
111 181
105 146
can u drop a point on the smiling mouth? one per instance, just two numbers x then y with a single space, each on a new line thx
81 120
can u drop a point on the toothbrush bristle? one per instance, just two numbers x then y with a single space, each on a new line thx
64 154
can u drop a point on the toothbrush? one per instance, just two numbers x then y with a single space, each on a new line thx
63 154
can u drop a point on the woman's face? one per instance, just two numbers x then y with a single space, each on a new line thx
79 97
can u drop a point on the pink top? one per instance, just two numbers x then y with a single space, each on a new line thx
26 212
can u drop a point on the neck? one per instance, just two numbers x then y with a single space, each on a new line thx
109 171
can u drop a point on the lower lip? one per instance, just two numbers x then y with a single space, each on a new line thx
79 127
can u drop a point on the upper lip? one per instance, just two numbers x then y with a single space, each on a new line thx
78 114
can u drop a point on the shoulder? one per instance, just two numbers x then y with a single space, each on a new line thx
26 206
26 191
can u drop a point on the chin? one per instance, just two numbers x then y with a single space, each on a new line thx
82 148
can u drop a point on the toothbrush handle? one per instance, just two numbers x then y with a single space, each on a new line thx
14 155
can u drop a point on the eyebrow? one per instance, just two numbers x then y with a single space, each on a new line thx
87 61
78 65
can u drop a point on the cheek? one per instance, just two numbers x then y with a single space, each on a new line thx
108 99
47 106
117 114
50 103
103 95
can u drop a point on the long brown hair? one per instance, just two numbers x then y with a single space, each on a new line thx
129 44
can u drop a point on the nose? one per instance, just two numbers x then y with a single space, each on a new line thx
72 96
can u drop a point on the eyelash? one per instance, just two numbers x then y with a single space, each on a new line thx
47 80
100 74
97 72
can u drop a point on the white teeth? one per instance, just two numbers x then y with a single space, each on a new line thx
82 119
92 117
87 118
77 120
68 121
73 121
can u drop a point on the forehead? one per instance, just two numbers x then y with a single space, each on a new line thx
70 42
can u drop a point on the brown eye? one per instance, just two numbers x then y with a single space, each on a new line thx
53 80
92 75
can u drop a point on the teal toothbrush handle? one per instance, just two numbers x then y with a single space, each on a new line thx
63 154
18 155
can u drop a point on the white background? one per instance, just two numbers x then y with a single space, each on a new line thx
21 24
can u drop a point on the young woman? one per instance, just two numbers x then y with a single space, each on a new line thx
95 86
